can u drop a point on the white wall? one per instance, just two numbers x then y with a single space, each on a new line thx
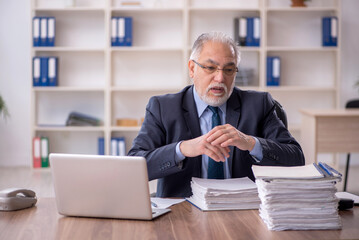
350 51
349 59
15 72
15 81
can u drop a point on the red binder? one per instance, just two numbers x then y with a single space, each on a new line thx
36 152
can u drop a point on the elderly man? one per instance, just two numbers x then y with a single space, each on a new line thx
212 129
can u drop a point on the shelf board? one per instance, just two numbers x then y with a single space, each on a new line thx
125 129
302 49
146 9
241 49
236 9
67 49
68 89
298 88
69 9
143 89
301 9
145 49
68 129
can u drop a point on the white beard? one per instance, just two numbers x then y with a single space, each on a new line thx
217 101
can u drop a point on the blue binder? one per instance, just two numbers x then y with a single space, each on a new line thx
121 146
273 71
36 31
256 31
43 31
329 31
114 31
242 31
51 29
114 147
325 31
44 72
52 71
101 146
334 31
128 31
121 25
253 32
36 71
249 37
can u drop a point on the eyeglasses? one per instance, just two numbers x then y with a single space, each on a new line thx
229 70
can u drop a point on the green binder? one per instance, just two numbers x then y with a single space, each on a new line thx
44 152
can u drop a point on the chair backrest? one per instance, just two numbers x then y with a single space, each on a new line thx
352 104
281 113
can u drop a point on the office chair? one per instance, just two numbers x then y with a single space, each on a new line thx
350 104
281 113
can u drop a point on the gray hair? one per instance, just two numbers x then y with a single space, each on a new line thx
214 37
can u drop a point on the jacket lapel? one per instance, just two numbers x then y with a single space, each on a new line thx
232 117
192 121
190 113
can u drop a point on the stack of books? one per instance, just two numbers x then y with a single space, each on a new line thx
79 119
298 198
225 194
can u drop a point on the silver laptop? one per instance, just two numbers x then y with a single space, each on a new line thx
102 186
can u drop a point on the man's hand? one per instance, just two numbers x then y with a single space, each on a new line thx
227 135
199 146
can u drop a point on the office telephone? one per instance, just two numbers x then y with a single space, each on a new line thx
16 198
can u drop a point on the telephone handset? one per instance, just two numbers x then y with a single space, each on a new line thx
16 199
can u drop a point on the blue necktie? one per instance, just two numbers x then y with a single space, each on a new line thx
215 169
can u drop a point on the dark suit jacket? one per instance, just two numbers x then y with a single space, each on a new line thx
173 117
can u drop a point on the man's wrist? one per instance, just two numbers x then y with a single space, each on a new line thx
257 151
252 143
179 155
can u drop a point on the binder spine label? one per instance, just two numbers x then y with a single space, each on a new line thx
52 71
36 71
256 31
121 31
52 67
36 32
113 31
51 31
43 32
276 67
242 31
36 152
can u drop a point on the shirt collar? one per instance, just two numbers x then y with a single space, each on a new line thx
201 106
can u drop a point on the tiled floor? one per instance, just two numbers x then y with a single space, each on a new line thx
40 180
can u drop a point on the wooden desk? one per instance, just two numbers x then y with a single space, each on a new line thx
184 222
329 131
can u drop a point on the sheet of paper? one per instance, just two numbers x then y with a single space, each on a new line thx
302 172
165 202
348 195
225 184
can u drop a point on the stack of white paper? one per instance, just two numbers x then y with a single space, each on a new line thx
226 194
297 198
